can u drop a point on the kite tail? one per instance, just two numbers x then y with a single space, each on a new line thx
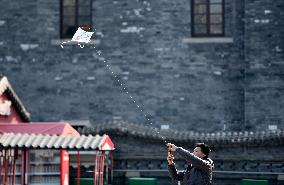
64 43
81 46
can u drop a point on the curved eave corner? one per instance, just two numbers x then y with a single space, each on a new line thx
106 143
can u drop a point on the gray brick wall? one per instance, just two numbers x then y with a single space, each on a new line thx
264 45
183 84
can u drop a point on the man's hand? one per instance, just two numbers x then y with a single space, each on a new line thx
170 158
171 147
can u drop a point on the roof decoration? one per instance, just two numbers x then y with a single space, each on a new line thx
5 86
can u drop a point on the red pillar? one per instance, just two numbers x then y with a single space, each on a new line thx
95 168
78 167
25 167
99 167
64 167
6 167
102 167
14 165
1 165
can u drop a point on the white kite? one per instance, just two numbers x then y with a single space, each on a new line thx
80 36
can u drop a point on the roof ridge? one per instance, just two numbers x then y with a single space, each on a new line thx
146 132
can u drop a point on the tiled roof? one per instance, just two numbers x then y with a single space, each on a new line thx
5 86
11 140
231 138
45 128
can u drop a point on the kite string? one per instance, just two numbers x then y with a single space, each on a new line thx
123 88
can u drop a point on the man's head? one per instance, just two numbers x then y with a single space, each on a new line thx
201 150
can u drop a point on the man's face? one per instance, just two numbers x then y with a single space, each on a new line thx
197 152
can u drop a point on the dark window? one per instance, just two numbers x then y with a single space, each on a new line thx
74 14
207 18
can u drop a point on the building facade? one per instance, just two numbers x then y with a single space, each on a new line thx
218 64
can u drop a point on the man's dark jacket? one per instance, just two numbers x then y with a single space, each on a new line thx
198 172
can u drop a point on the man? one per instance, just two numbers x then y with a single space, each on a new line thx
199 169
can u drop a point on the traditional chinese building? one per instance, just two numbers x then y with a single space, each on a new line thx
38 153
141 152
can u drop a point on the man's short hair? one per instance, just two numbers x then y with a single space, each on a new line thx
204 149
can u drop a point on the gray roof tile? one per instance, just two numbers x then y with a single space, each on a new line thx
53 141
239 138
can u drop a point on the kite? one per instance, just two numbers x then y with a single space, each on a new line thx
80 36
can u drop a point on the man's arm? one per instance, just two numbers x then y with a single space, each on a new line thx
174 174
195 161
